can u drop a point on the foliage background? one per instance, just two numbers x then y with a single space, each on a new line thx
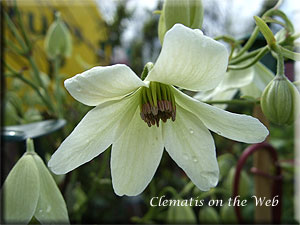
87 190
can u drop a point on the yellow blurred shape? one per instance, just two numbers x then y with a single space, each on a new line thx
88 29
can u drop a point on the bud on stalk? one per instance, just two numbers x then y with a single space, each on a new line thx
280 101
58 40
187 12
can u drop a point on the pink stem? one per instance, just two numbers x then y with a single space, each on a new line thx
277 184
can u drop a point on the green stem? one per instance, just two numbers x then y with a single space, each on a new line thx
280 63
146 70
296 36
233 102
271 20
29 145
255 33
32 85
37 77
249 43
246 56
15 32
14 47
227 39
57 63
289 54
253 61
22 27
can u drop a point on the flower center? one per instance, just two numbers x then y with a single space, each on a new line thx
157 103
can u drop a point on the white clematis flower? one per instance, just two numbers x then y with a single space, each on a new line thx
127 107
251 82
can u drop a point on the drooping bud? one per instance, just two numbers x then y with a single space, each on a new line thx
208 215
280 101
30 191
58 40
181 214
187 12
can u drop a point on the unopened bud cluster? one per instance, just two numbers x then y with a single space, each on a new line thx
157 103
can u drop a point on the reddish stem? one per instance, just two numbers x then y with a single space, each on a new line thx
277 184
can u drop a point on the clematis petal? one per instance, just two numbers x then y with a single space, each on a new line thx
234 126
237 79
135 157
103 83
232 80
191 146
94 134
51 207
190 60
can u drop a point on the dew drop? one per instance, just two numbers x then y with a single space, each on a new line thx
78 88
185 156
191 131
48 209
40 210
195 159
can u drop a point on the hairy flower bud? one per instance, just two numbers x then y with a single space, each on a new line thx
187 12
280 101
58 40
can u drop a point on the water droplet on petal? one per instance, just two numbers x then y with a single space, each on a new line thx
185 156
40 210
78 88
195 159
191 131
48 208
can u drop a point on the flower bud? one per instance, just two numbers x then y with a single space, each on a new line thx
187 12
30 191
280 101
181 214
244 183
208 215
58 40
228 215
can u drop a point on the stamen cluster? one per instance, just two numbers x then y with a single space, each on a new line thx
157 103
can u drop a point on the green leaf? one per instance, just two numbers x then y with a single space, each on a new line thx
51 207
265 30
21 191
